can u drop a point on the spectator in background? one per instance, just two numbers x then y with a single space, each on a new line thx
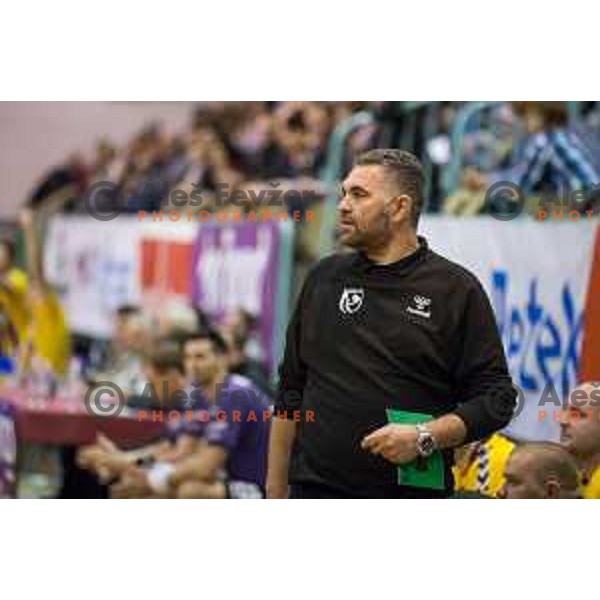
555 160
104 159
13 288
177 317
123 362
240 364
73 174
541 471
41 325
224 457
298 134
580 434
251 134
10 275
239 323
163 369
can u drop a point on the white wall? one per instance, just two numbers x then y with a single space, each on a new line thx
34 136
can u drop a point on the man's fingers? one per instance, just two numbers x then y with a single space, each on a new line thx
104 474
105 443
377 446
369 441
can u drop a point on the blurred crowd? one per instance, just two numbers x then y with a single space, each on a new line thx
542 147
229 144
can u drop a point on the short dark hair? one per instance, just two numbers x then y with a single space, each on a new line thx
408 171
553 460
128 310
208 333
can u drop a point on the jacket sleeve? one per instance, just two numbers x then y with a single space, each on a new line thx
486 396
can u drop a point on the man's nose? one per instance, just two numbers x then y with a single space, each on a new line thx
344 204
564 421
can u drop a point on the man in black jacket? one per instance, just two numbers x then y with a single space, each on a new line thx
392 350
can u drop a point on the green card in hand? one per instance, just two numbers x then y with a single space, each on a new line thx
432 474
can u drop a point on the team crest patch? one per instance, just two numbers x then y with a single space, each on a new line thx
422 306
351 300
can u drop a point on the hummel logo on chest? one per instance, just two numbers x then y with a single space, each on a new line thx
421 307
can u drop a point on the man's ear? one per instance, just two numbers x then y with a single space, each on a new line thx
399 208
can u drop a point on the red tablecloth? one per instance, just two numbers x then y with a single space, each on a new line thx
64 421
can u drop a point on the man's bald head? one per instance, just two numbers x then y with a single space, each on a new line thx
541 470
580 425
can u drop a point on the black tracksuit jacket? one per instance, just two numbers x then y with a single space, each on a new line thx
416 335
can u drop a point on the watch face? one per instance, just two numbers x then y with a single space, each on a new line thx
426 445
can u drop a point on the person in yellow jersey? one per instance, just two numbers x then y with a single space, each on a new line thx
13 314
43 334
580 434
10 275
479 467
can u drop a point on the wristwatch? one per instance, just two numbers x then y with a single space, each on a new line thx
426 445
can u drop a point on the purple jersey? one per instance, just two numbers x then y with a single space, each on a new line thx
239 421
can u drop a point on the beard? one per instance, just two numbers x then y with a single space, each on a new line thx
359 235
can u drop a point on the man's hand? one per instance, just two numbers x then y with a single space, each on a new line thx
282 437
88 456
396 443
105 460
133 484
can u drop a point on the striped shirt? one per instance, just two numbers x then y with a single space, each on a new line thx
556 160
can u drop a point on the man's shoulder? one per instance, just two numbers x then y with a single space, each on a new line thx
453 272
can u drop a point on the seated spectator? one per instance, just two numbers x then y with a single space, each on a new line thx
580 435
223 457
469 198
540 470
479 467
123 362
164 375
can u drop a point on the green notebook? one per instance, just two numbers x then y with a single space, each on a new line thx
432 473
